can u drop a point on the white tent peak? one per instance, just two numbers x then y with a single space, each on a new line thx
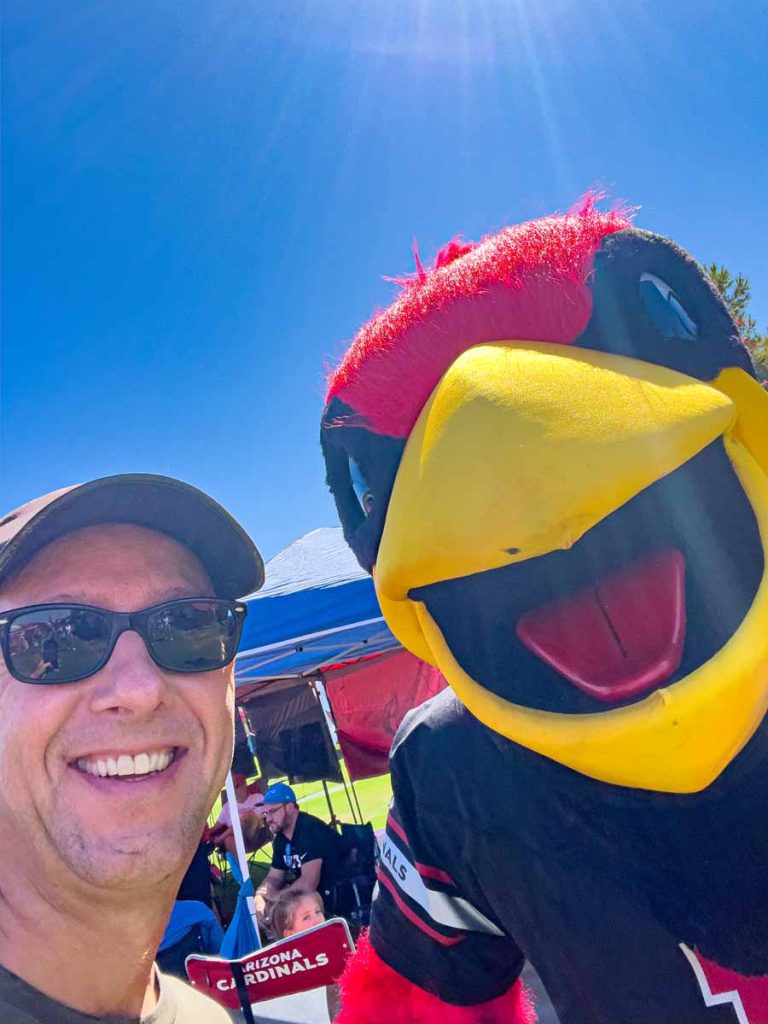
320 558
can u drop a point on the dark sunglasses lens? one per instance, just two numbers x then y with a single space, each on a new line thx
57 644
193 636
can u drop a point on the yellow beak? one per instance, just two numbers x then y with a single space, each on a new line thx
522 448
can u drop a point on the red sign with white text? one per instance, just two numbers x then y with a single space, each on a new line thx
313 959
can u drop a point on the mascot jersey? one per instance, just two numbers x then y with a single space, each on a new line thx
552 454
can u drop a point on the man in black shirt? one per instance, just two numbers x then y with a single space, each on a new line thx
307 853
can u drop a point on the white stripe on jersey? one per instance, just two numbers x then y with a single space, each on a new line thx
449 911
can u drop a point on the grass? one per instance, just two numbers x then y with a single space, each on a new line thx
373 796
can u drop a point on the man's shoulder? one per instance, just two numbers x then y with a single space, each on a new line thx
316 830
312 822
21 1003
193 1007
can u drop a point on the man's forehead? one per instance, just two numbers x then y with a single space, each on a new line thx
75 566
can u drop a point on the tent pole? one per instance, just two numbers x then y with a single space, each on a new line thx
328 799
357 802
320 692
242 859
320 689
357 817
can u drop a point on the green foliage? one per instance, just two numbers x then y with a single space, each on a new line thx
759 350
737 293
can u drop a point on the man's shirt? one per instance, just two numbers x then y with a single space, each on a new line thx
20 1003
252 802
312 840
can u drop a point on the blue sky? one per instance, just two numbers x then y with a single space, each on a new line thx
200 201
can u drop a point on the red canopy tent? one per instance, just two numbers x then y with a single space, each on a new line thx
369 701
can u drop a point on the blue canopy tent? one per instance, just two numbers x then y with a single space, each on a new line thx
316 626
317 608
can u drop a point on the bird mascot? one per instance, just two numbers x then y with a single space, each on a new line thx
552 454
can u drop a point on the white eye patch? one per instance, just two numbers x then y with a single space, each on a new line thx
361 487
665 310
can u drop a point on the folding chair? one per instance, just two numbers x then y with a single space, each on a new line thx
172 959
352 894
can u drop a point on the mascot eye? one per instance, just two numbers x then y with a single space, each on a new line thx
361 487
665 310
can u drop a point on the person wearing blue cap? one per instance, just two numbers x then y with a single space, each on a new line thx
307 854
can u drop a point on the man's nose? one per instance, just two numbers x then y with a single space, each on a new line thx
130 682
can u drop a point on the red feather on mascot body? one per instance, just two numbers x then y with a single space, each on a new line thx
371 992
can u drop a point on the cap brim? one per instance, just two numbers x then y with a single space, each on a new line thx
156 502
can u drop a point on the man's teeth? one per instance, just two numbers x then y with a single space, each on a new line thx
127 764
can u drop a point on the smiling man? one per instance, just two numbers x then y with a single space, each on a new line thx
118 627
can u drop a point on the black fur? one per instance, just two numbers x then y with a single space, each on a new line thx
620 322
378 457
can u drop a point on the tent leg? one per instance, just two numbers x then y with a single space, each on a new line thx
242 858
357 816
357 802
328 800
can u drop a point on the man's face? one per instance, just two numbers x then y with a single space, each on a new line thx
278 817
113 831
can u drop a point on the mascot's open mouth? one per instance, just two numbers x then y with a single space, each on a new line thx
621 636
643 599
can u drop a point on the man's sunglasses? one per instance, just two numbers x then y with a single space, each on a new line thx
63 643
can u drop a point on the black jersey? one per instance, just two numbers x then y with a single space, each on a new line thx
493 854
312 840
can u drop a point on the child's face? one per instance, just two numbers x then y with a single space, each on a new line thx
307 914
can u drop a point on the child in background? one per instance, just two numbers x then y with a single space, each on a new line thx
294 912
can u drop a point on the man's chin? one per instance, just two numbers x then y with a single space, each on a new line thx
123 833
142 858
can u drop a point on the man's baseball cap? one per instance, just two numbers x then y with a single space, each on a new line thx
279 793
157 502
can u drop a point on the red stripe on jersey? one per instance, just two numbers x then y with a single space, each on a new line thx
437 874
404 909
397 828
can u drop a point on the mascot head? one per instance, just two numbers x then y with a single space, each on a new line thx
552 454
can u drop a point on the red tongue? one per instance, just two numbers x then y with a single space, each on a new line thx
620 637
